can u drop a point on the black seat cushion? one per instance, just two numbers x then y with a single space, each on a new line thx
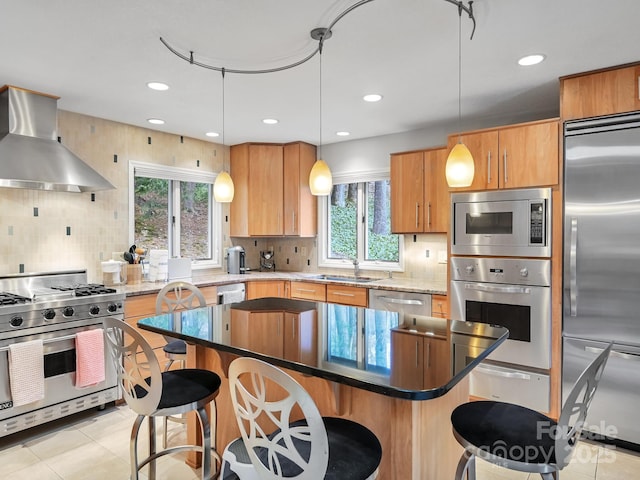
354 451
181 387
507 431
176 347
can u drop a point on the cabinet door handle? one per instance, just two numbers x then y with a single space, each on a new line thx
342 294
293 221
417 214
429 214
489 167
306 290
429 355
417 354
506 178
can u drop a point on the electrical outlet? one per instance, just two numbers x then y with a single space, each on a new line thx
426 253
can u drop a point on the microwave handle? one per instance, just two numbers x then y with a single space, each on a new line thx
573 266
496 289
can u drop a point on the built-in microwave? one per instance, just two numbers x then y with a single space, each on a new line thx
502 223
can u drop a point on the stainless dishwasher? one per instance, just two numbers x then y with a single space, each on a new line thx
407 304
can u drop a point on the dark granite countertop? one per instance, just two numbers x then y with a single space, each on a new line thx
355 346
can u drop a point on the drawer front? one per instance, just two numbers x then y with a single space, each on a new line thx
347 295
439 306
309 291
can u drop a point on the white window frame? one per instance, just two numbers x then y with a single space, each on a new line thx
165 172
323 228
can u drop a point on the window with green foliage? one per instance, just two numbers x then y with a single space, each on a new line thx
358 226
173 209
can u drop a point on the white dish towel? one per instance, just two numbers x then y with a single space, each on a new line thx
26 372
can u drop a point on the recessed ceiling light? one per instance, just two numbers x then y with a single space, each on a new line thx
155 121
158 86
212 134
270 121
372 97
343 134
531 60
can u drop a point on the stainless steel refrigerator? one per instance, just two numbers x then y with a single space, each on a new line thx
601 284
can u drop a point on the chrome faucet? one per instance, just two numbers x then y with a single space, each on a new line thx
356 267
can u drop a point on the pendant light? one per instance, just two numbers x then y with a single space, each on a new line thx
223 189
320 179
460 167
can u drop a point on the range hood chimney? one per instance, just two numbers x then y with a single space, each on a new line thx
30 155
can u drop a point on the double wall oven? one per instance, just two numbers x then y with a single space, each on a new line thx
501 275
53 307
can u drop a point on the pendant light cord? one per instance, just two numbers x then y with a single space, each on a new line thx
320 107
222 71
460 73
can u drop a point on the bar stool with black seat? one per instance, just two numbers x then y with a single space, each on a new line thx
152 393
518 438
266 399
175 296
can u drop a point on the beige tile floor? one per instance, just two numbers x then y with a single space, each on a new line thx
95 446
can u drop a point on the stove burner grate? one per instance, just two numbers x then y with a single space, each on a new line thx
12 299
85 290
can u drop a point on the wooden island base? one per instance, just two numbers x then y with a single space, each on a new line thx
416 437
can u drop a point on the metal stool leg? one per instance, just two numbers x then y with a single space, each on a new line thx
152 447
133 446
466 466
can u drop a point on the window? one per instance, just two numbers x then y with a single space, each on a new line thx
356 225
173 209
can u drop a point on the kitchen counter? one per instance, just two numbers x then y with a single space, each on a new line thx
416 285
353 361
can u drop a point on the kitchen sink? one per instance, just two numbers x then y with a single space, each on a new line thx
345 278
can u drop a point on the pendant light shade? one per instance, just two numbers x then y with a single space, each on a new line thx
320 179
223 189
460 168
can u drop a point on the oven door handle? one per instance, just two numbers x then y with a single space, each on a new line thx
503 374
48 340
497 288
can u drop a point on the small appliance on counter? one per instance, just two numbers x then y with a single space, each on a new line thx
266 261
235 260
114 272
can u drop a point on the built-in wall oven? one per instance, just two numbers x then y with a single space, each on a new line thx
514 293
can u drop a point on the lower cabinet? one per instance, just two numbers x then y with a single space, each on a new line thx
439 306
419 361
347 295
267 288
308 291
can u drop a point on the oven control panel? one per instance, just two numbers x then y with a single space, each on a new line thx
515 271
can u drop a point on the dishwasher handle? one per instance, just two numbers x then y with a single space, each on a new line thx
401 301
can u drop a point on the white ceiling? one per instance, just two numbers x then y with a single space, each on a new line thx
98 57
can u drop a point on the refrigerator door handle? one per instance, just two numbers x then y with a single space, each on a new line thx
614 353
573 277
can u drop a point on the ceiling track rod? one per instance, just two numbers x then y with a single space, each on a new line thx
466 8
320 34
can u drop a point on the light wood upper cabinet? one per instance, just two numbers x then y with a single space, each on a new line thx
602 92
514 156
300 207
272 195
419 192
529 155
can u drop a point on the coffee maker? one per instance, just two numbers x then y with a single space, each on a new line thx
266 261
235 260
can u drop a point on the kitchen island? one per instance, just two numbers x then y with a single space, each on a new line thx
395 375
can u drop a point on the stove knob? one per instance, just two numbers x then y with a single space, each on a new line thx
469 269
94 310
49 314
68 311
112 307
524 272
16 321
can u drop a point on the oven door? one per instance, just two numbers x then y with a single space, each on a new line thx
59 371
524 310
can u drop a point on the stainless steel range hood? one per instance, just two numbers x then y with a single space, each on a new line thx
30 155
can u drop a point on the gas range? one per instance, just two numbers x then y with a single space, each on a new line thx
51 301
